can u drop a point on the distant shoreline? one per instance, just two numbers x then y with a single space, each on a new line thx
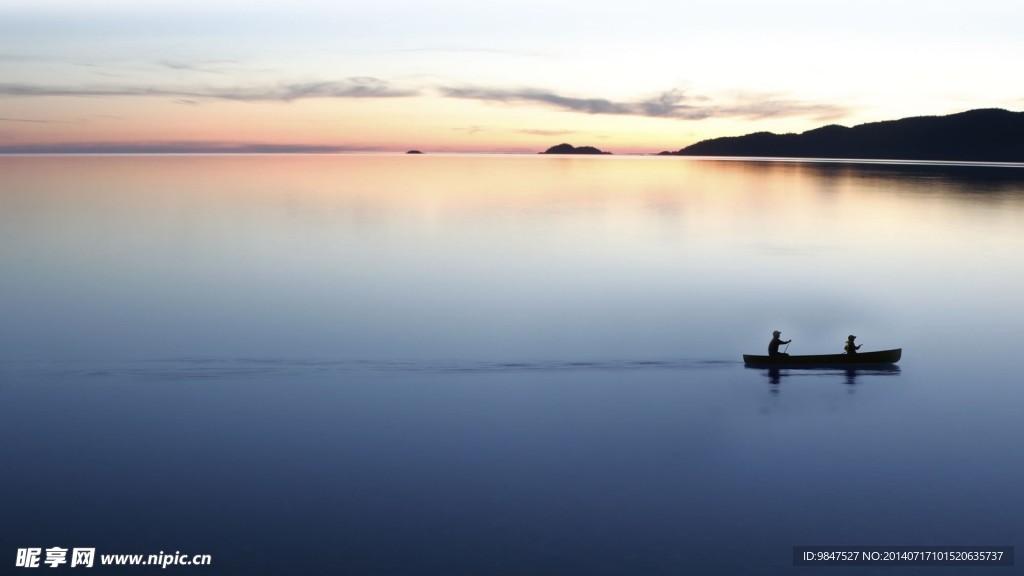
653 157
986 136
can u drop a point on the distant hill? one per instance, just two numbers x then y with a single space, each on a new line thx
991 135
570 149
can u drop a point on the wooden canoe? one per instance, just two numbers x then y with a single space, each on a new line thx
858 359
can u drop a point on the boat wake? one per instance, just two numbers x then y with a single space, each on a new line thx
236 368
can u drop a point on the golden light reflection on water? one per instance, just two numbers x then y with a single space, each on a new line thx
490 256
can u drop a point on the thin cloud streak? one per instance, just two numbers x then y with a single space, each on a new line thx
470 130
587 105
538 132
468 50
355 87
21 58
673 104
204 67
34 121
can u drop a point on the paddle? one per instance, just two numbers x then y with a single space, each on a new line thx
786 348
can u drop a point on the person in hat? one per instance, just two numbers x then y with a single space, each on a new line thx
850 347
773 346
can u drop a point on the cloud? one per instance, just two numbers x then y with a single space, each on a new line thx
588 105
758 106
215 67
35 121
20 58
476 129
354 87
672 104
675 104
472 50
536 132
206 67
470 130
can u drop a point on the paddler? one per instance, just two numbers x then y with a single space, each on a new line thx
773 346
850 347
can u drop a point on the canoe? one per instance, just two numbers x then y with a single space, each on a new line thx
858 359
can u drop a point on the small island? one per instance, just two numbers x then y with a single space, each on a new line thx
414 152
570 149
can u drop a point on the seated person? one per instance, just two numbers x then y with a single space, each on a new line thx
850 347
773 346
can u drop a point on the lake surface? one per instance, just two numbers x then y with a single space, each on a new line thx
509 365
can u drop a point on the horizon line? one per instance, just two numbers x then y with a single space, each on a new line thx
783 159
221 147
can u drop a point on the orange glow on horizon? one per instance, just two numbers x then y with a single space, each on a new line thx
396 124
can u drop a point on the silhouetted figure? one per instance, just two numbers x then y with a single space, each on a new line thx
773 346
850 347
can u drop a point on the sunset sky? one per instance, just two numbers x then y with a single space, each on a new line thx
471 75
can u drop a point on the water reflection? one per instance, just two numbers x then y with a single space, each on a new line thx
472 258
963 179
502 365
850 375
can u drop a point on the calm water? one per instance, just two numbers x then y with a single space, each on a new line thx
371 364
